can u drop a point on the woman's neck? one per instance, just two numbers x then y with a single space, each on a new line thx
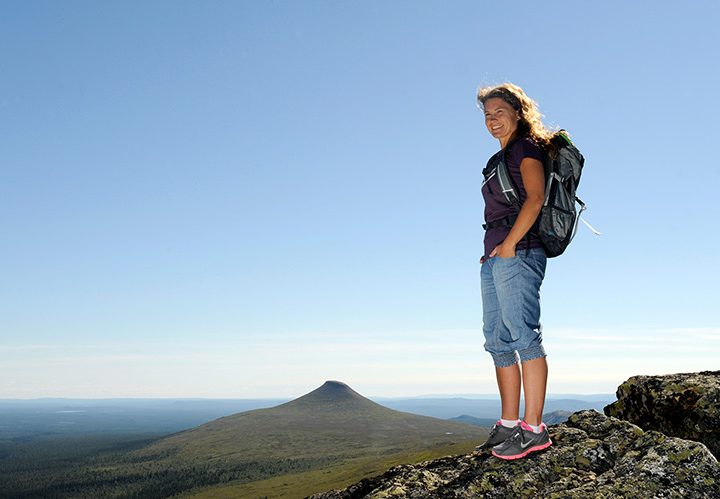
505 141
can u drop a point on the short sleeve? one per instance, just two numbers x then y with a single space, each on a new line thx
523 148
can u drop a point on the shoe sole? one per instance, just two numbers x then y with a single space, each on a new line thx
531 449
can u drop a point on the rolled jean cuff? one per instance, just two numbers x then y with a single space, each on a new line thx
531 353
504 359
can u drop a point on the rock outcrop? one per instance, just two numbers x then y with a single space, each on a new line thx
593 455
683 405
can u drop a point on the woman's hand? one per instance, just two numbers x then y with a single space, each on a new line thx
503 250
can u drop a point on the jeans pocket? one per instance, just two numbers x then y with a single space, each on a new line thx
505 269
535 265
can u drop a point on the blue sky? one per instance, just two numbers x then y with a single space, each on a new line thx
244 199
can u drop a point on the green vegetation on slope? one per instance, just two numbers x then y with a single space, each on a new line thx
299 485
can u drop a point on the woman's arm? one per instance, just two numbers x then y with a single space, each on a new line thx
533 178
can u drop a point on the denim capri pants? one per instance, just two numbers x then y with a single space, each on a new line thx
511 306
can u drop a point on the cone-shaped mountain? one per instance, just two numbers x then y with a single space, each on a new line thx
332 396
331 392
332 420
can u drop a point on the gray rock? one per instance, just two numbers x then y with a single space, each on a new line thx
685 405
592 455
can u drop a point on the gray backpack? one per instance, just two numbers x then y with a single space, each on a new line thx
558 220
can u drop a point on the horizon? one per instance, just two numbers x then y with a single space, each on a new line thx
469 396
479 396
237 199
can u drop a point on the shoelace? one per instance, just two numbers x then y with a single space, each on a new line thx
517 433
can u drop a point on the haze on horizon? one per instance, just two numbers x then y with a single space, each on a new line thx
244 200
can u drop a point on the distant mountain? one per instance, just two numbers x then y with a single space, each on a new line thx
485 422
556 417
447 408
549 418
331 421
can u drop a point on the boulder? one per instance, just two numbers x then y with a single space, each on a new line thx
685 405
593 455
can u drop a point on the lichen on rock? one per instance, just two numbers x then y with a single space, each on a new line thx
685 405
592 455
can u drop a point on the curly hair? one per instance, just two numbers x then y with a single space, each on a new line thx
530 123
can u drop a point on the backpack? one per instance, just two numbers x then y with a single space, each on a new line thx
557 222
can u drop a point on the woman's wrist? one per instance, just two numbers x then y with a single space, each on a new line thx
510 245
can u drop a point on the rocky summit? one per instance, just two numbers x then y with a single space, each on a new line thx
593 455
685 405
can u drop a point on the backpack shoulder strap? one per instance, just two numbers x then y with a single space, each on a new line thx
506 182
491 166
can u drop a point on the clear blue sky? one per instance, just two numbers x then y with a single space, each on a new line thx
242 199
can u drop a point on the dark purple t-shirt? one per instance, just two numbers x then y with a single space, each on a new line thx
496 206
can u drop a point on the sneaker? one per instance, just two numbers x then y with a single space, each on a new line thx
522 442
497 435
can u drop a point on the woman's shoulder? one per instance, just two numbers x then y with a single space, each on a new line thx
524 144
524 147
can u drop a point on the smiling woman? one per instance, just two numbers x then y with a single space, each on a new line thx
513 268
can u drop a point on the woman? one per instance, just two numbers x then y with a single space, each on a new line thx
513 267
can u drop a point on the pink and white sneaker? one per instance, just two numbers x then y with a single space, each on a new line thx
522 441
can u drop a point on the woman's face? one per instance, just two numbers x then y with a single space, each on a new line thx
501 119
